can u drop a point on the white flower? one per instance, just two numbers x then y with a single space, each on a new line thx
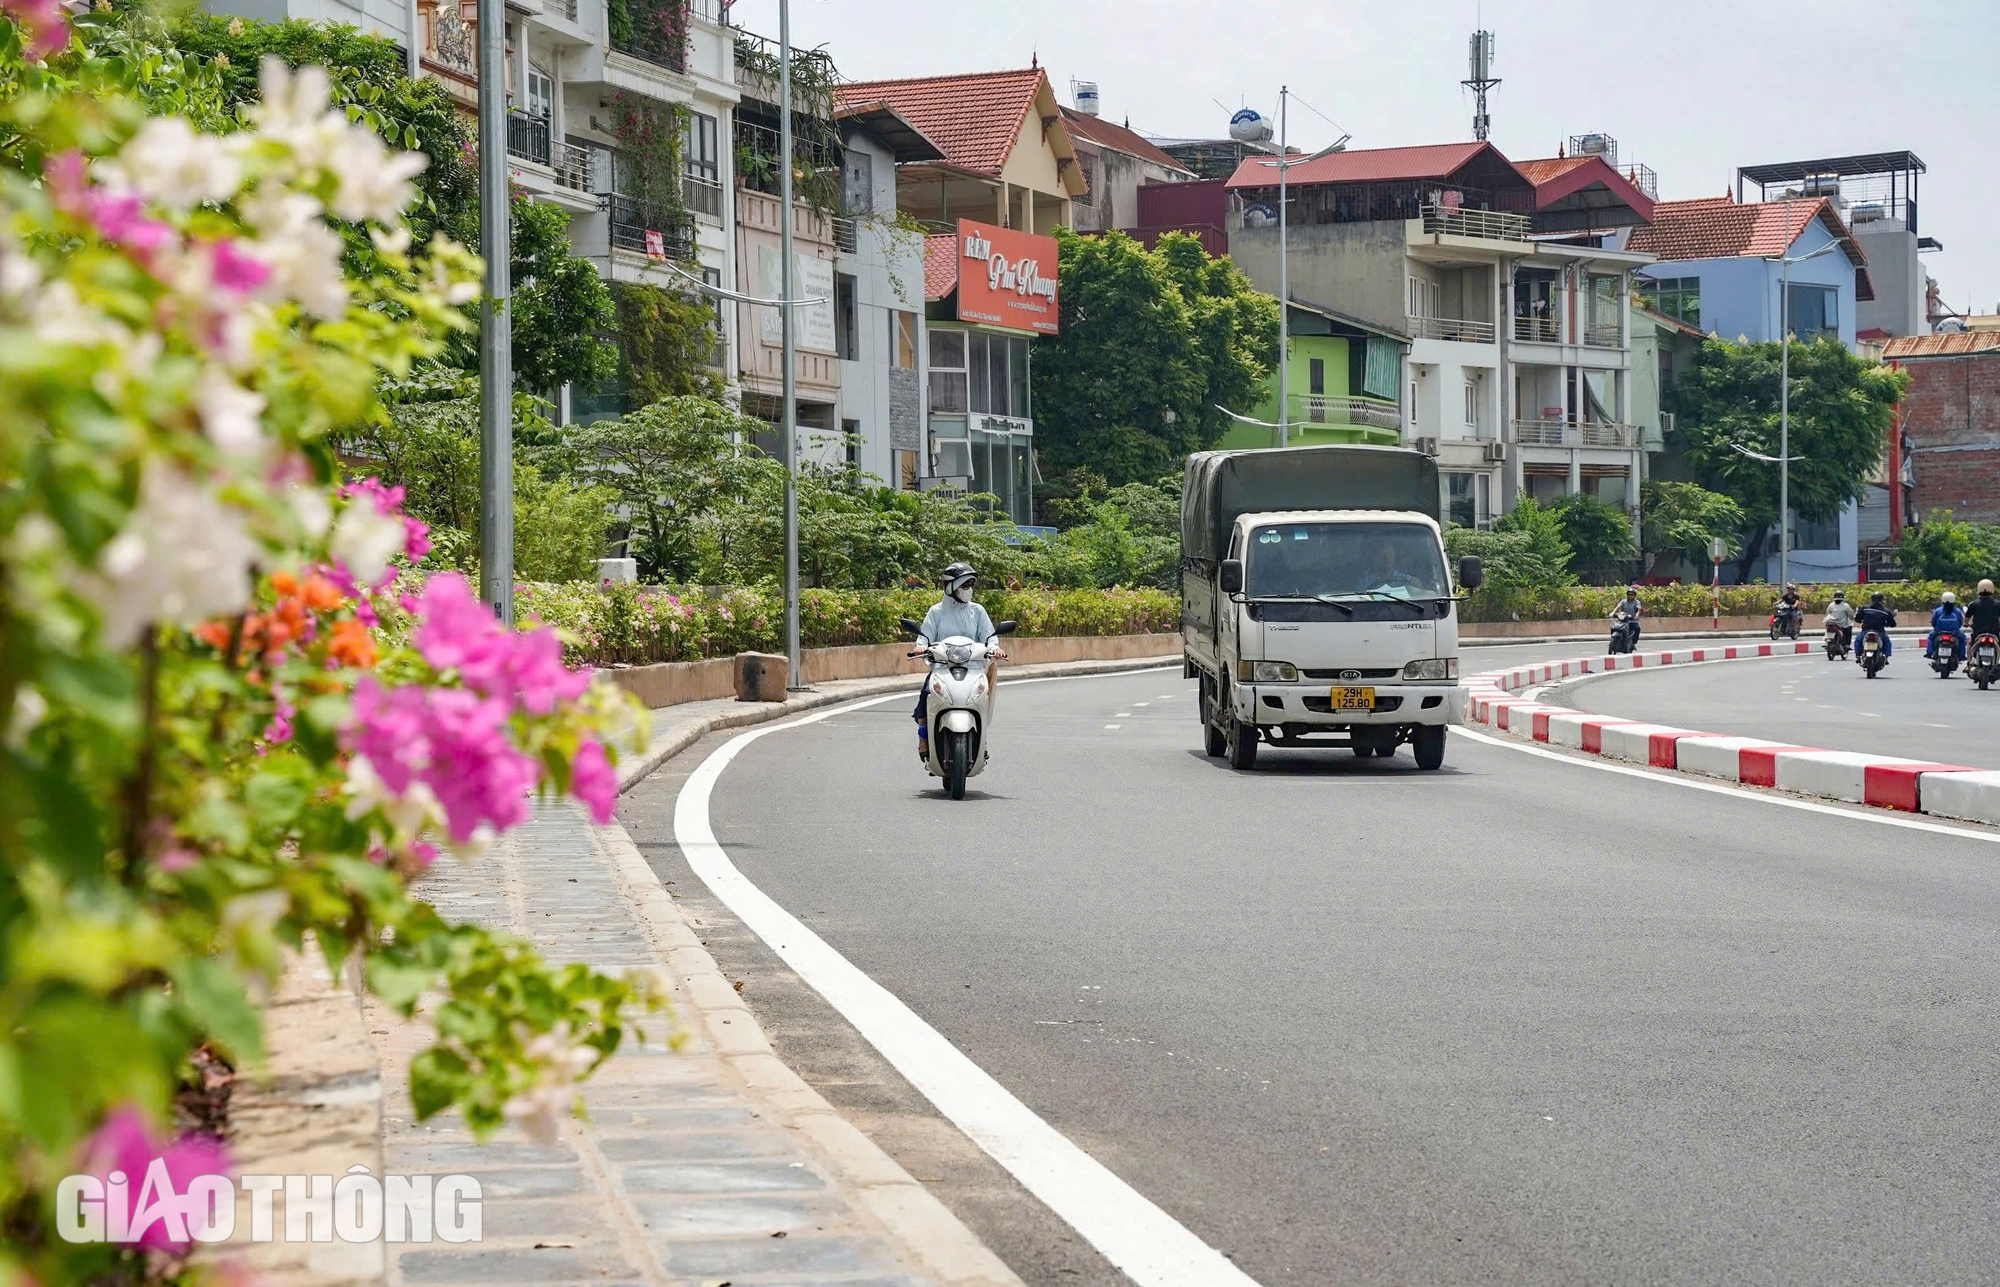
306 267
537 1111
395 241
374 182
30 707
230 414
176 166
293 110
311 507
365 539
407 813
276 211
59 316
183 557
454 292
18 274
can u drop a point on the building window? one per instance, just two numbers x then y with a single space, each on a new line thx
1425 295
541 93
713 277
948 383
1462 507
903 339
997 374
1814 311
704 161
1316 386
844 321
850 432
1815 534
1472 402
906 470
1675 297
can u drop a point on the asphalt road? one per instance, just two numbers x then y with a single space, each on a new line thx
1906 710
1521 1020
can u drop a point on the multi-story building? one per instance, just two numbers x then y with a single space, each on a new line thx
1343 384
1116 163
1719 268
1518 363
1950 422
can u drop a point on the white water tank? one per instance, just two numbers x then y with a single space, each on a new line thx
1247 126
1085 92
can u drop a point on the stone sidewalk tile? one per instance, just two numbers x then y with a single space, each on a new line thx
710 1162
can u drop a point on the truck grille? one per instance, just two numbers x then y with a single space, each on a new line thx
1389 673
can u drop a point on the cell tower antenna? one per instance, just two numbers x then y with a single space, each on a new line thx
1480 60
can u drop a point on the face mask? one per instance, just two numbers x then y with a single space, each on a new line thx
963 594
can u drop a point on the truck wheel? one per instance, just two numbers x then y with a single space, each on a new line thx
1241 742
1211 720
1428 742
1386 752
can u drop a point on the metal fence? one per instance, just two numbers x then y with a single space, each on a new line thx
528 137
1494 224
1451 328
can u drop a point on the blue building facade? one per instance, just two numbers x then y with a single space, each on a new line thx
1718 269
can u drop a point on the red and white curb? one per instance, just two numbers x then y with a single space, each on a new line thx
1915 786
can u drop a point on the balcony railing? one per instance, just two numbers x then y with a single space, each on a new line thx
560 8
1561 433
1604 335
845 238
1349 411
528 137
654 31
1535 330
1495 224
634 228
572 165
1451 328
702 195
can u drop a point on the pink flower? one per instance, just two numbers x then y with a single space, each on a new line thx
451 740
280 727
124 1144
44 25
460 633
594 781
121 218
236 272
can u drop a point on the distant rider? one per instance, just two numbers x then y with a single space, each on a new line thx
1946 619
953 616
1628 609
1982 615
1876 616
1840 615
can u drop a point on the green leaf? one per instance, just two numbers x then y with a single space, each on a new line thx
437 1078
216 1002
399 980
274 797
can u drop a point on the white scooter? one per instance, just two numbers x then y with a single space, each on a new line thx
961 705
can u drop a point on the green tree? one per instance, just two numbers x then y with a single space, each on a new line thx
1598 534
1149 342
1682 518
667 341
559 527
1941 548
1841 406
1540 557
1513 560
561 307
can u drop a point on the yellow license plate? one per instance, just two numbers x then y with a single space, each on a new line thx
1353 699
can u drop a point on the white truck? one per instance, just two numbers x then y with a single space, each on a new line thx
1316 604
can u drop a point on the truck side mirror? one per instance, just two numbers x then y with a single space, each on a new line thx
1005 627
1471 572
1232 576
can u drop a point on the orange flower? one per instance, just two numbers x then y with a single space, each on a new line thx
351 644
213 633
319 594
284 583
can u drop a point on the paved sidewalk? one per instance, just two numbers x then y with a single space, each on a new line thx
701 1166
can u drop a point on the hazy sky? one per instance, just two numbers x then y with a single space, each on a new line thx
1692 88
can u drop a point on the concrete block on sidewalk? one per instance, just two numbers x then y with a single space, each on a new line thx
761 677
1718 756
1961 795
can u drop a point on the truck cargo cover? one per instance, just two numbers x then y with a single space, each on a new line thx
1222 486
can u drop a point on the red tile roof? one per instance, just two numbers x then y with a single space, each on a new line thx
1557 177
1720 228
940 266
1542 171
973 117
1949 344
1371 165
1117 138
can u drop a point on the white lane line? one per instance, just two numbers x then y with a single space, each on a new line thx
1111 726
1123 715
1146 1243
1142 703
1860 814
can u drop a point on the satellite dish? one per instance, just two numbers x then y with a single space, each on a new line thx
1247 126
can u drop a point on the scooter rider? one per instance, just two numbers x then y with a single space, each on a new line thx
1946 619
1840 615
1628 609
1982 615
953 615
1878 615
1789 600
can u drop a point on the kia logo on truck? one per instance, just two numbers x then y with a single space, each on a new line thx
1350 674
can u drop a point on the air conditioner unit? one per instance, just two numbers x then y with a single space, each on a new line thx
1666 422
1429 446
1496 451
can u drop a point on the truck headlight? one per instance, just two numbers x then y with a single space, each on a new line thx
1434 668
1266 672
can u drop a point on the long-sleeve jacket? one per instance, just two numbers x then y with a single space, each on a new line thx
1840 613
950 618
1874 618
1982 615
1948 618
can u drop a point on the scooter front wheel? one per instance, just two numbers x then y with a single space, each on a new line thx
957 759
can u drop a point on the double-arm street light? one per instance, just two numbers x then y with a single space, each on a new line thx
1284 164
1784 457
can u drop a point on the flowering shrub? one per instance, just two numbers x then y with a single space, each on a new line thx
628 625
1584 602
224 724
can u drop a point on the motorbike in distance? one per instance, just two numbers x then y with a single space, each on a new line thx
1872 656
960 709
1983 665
1624 634
1838 639
1785 621
1945 656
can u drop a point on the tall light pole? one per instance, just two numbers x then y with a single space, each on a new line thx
496 335
1785 263
1284 164
788 425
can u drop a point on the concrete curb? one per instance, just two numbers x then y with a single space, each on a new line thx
913 1216
1890 782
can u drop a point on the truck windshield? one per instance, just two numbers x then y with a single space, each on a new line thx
1337 560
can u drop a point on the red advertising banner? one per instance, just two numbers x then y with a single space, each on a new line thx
1006 278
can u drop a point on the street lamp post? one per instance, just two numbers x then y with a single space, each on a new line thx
496 375
1284 164
1785 263
788 434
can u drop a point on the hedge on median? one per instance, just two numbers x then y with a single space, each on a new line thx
634 625
1585 602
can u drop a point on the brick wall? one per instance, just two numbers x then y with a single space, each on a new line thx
1951 416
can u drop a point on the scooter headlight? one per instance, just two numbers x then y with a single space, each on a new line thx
1266 672
959 654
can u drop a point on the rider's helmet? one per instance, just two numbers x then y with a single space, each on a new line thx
1840 596
958 576
1985 589
1950 598
1791 588
1631 591
1877 599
